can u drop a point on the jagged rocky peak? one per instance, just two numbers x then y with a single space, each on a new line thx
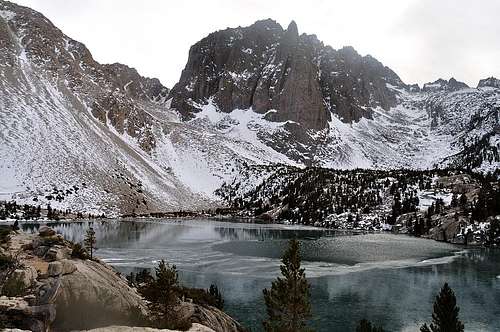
454 85
490 82
293 30
31 38
35 40
266 67
444 85
135 85
414 88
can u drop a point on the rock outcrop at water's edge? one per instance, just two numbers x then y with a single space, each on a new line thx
59 292
195 328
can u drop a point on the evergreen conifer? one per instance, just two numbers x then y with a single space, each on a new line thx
287 302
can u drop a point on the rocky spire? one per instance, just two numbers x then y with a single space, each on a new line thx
290 39
266 68
292 29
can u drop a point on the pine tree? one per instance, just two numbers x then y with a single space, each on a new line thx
445 315
463 200
215 292
90 241
494 233
454 200
49 212
287 301
161 292
366 326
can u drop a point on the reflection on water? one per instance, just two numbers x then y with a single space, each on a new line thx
386 278
145 233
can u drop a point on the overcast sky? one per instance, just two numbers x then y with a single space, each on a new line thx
421 40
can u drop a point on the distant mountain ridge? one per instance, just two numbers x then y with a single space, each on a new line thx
443 85
103 139
490 82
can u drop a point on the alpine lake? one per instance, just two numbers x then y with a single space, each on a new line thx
388 279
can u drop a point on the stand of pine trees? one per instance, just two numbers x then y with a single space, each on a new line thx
161 295
322 197
12 210
163 292
310 195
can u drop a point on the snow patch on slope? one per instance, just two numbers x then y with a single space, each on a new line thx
243 126
7 15
404 136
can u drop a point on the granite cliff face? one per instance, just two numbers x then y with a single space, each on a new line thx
267 68
331 107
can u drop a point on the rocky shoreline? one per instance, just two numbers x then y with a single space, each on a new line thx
450 229
45 287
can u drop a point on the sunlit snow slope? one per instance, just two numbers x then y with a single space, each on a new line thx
98 138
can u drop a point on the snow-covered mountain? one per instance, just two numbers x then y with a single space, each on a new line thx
99 138
103 139
336 108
